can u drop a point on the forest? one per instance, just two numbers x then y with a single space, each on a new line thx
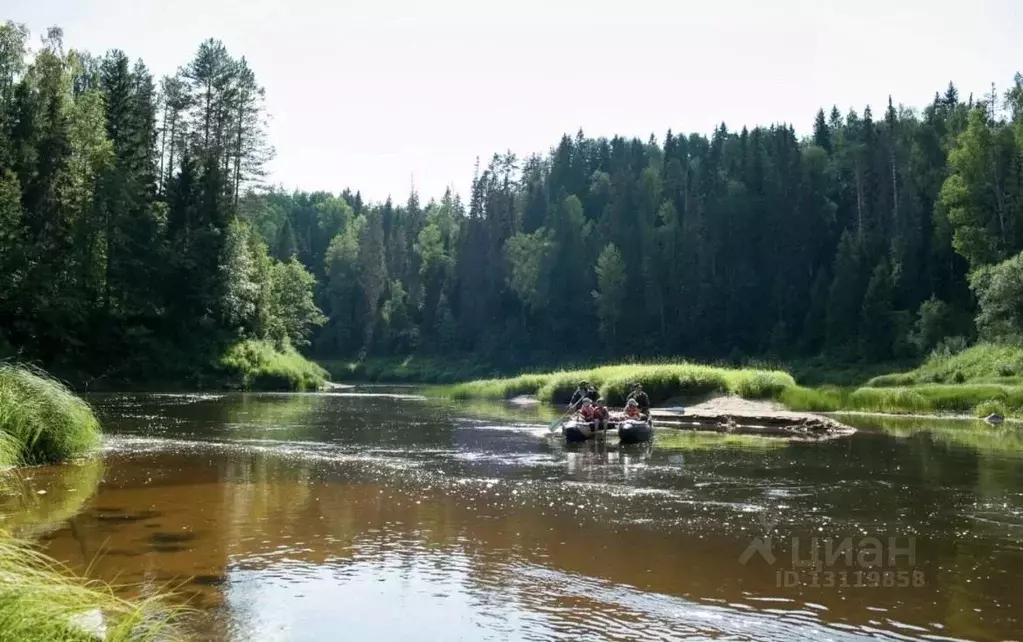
138 235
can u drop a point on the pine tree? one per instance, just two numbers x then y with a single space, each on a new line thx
821 132
286 248
877 327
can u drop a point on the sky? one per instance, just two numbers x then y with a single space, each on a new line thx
379 95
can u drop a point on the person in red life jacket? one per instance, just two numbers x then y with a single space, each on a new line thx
632 410
600 415
640 398
587 411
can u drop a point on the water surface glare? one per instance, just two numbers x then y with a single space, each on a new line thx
378 514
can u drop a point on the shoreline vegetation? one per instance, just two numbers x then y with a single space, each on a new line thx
977 381
43 422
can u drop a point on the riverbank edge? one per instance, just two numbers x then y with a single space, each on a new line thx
696 381
246 366
42 421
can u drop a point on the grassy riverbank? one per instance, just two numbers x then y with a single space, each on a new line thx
983 363
660 381
41 421
978 400
984 387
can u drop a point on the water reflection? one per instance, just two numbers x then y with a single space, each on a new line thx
302 516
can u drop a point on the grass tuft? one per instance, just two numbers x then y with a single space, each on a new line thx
258 365
41 601
41 421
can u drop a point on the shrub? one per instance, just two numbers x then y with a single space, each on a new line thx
991 406
257 365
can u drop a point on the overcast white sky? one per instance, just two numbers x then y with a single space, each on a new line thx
368 94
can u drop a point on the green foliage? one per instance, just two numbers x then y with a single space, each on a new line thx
293 306
999 291
992 406
970 195
913 399
528 255
661 382
877 323
610 293
982 363
134 242
934 323
40 600
893 400
257 365
811 400
41 421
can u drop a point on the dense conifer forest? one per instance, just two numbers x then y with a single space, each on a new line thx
137 233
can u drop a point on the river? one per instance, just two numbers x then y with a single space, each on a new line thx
377 514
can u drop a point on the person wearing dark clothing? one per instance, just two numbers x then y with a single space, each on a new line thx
642 400
585 390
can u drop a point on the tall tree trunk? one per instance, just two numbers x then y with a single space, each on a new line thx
163 149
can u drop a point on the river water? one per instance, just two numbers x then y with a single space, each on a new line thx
377 514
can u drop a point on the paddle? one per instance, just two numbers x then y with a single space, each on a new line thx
557 422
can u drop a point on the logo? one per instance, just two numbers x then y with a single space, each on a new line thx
826 562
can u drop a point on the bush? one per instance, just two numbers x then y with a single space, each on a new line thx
257 365
999 291
989 407
949 347
41 421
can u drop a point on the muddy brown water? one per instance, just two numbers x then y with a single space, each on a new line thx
375 514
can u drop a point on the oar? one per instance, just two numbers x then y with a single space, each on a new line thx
557 422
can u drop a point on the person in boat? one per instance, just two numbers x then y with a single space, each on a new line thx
584 391
632 410
587 411
601 415
641 399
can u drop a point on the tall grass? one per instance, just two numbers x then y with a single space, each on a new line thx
41 421
812 399
258 365
661 382
41 601
976 399
983 363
